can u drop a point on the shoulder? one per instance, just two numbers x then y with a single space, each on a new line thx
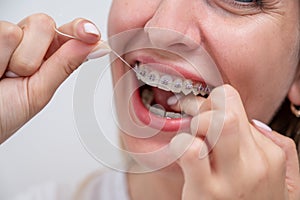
47 191
101 185
104 185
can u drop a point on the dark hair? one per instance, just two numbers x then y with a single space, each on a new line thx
286 123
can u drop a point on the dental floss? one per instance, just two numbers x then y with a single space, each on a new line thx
64 34
101 50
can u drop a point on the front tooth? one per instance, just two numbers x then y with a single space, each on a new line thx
157 110
187 87
165 83
153 79
142 73
177 86
172 115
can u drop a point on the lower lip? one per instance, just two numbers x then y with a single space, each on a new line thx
157 122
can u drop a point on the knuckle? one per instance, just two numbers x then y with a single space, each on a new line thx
279 156
192 152
289 144
220 190
226 90
43 20
230 91
10 33
26 65
231 117
69 65
231 122
261 172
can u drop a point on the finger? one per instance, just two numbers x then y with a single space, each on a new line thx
10 37
82 30
38 34
290 150
79 29
217 120
191 104
193 157
230 130
55 70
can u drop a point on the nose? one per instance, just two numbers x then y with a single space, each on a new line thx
173 26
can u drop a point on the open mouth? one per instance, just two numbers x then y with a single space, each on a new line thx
157 86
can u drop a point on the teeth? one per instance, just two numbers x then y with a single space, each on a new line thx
177 85
187 87
200 89
147 98
160 111
153 79
157 110
165 82
170 83
172 115
143 73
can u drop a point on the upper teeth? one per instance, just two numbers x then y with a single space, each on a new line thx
170 83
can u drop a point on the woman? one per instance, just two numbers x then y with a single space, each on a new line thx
254 46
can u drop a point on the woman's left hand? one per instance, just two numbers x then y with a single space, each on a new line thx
231 158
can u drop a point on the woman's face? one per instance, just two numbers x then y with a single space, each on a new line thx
254 44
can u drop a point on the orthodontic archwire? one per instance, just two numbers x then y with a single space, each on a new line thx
101 50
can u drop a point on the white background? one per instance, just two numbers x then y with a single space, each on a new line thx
48 148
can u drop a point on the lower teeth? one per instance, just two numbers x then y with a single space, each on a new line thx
157 110
147 98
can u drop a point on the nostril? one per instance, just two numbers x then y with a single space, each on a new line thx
163 38
180 47
168 39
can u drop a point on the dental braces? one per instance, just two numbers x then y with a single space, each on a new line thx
170 83
164 82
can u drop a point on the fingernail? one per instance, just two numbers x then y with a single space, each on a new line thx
173 99
261 125
91 29
100 51
10 74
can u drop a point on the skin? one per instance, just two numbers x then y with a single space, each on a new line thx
42 65
271 36
265 162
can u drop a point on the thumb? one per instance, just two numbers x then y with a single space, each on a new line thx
43 84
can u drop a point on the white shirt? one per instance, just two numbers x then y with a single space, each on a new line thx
108 186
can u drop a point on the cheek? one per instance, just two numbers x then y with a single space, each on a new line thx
130 14
253 62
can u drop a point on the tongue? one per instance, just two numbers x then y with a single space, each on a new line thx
161 97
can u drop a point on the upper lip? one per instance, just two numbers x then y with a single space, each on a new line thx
168 64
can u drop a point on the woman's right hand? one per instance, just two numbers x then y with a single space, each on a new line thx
230 157
34 61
